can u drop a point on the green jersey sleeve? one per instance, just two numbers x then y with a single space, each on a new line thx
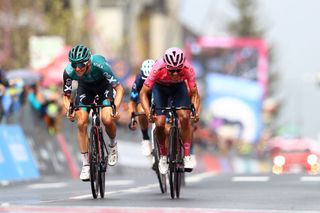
100 63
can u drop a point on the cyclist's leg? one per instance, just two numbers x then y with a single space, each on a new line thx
160 99
82 123
105 95
181 98
111 129
161 139
82 117
192 153
144 124
160 96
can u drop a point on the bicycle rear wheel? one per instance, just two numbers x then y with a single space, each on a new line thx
161 177
173 140
93 161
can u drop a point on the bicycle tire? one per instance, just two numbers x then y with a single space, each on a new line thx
161 177
179 170
102 165
173 138
93 161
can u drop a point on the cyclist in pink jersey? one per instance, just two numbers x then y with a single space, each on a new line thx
167 80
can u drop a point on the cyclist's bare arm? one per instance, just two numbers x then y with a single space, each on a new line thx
195 99
145 100
132 106
118 98
66 102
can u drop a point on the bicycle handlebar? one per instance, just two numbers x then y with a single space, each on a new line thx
72 107
133 120
172 109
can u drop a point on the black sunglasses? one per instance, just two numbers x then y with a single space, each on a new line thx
173 71
80 65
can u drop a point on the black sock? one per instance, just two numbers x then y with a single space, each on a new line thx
145 134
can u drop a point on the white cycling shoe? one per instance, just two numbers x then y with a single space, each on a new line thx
188 163
146 147
113 155
163 165
85 173
194 160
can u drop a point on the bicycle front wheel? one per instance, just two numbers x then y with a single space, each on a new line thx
173 140
93 161
179 168
102 165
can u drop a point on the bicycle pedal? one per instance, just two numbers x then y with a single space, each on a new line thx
188 169
154 166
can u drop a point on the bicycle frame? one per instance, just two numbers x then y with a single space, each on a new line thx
175 159
98 152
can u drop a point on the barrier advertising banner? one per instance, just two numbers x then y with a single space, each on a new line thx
16 160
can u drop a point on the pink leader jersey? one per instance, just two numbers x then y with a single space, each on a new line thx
160 75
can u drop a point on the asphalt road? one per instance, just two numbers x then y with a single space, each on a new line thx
137 190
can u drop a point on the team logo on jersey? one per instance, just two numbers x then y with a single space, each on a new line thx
68 85
68 81
106 93
112 79
82 97
134 95
97 65
67 88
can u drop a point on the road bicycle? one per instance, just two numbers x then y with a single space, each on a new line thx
155 152
175 158
98 152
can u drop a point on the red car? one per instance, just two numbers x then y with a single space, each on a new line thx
294 155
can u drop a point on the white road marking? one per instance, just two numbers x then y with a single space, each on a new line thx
4 183
310 178
199 177
119 182
129 190
250 178
193 178
47 185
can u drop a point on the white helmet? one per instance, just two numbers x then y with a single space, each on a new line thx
146 68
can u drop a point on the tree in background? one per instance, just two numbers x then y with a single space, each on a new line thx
23 19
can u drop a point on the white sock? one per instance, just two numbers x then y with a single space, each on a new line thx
85 159
113 142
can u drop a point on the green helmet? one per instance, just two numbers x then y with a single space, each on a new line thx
79 54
